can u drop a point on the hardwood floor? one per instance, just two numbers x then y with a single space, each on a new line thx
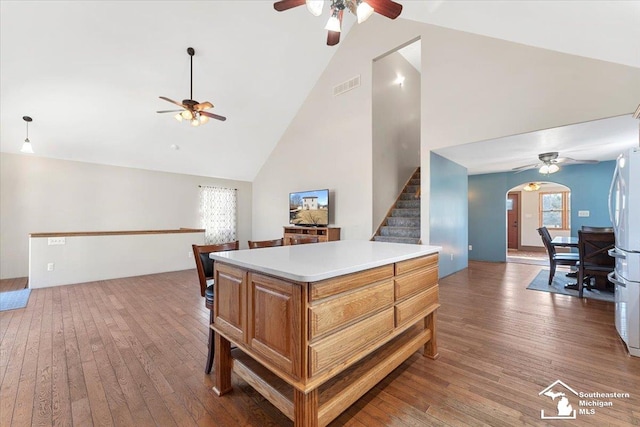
131 352
8 285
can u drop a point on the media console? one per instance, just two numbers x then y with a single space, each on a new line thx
324 234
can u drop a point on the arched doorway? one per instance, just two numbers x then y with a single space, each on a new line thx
530 206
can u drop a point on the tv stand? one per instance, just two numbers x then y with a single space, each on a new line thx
324 234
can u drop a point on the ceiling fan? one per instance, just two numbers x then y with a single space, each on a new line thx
192 110
363 9
549 163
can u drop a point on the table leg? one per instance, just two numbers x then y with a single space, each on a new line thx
222 365
305 408
431 348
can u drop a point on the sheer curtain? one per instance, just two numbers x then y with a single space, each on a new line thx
218 214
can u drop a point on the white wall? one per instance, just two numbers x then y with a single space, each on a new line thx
530 216
473 88
89 258
396 130
39 195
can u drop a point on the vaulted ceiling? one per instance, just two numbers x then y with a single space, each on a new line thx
90 73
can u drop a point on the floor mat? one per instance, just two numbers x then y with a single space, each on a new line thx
14 299
541 283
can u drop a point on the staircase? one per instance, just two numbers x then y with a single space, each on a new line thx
402 224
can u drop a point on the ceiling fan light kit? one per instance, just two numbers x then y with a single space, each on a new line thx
193 111
363 9
547 169
532 186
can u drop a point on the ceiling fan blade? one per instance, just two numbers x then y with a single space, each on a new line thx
570 161
333 37
169 111
213 116
172 101
526 167
203 106
283 5
387 8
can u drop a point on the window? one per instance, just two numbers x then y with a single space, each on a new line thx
555 210
218 214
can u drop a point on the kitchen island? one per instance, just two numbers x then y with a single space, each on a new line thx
316 326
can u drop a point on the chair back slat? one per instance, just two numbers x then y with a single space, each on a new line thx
204 264
255 244
546 240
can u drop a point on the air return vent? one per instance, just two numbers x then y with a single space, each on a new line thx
352 83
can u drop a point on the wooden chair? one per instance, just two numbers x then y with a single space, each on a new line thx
597 229
594 259
556 259
301 240
255 244
204 266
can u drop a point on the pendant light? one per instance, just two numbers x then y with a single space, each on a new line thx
26 146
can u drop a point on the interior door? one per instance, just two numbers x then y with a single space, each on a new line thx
513 220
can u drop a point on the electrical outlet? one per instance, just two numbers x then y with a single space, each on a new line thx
51 241
51 266
583 214
189 254
470 247
451 257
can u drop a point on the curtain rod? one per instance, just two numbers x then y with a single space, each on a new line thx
211 186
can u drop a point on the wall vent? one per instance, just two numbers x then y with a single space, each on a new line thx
352 83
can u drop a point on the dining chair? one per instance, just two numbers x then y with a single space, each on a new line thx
301 240
204 266
593 247
597 229
555 259
255 244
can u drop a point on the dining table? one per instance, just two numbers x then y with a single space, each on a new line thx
565 241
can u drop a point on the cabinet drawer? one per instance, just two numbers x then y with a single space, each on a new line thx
345 308
341 284
412 264
415 281
351 343
416 306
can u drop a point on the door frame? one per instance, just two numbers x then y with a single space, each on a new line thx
518 206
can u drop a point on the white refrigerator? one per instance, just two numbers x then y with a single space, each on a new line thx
624 211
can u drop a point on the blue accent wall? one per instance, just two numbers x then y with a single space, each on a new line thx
449 214
589 186
487 207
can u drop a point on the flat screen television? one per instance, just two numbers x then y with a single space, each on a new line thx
309 208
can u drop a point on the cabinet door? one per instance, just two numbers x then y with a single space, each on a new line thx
275 322
230 301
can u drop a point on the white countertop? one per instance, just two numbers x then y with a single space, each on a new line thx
319 261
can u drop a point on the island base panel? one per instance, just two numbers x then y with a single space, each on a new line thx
322 405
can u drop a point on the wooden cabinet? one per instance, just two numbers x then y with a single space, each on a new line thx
274 322
319 346
324 234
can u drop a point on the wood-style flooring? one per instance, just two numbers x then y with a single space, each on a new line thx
131 352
